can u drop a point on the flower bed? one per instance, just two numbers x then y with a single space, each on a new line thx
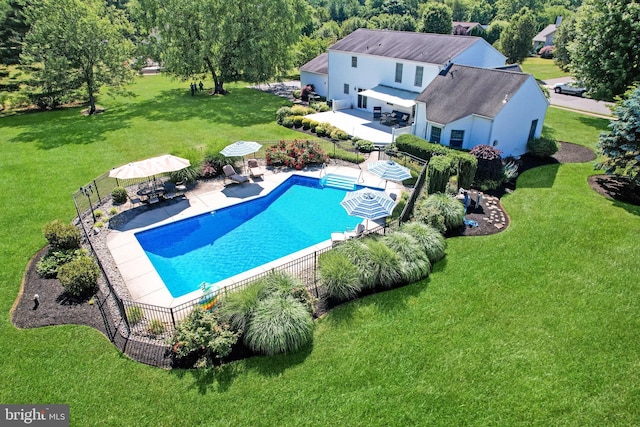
295 154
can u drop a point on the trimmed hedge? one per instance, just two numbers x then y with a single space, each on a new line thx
467 166
419 147
439 173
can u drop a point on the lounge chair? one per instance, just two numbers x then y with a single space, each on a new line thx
255 171
230 173
169 191
348 234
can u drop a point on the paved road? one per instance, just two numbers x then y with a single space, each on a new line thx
575 102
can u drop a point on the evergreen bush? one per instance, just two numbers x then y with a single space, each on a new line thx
79 276
297 121
543 147
489 163
119 195
282 113
438 174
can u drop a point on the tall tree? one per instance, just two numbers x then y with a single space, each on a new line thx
621 146
79 44
564 36
435 18
605 53
506 9
481 11
231 41
516 40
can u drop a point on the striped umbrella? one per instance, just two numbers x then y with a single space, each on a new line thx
368 203
240 149
389 170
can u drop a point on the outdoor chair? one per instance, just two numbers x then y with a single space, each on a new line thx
377 113
255 171
230 173
348 234
169 190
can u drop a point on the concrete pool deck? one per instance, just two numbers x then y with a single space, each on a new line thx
142 280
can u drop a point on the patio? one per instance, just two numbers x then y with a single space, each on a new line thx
360 123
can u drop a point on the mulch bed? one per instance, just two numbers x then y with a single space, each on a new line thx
56 308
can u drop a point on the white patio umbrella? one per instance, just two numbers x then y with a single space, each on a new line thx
149 167
367 203
389 171
240 149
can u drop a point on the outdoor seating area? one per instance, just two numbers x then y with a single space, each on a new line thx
255 170
230 173
154 191
395 118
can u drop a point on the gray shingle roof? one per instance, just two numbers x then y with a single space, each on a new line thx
318 65
469 90
420 47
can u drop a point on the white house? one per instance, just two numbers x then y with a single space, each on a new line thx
494 107
409 73
545 37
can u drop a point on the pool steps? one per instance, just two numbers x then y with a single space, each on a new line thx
338 181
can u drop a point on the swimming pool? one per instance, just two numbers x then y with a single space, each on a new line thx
215 246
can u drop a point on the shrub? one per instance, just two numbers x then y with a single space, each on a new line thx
134 314
430 239
296 93
48 265
279 324
297 121
543 147
358 254
365 146
321 129
312 125
190 173
306 123
79 276
338 275
430 216
282 113
287 122
62 236
155 327
296 154
489 163
399 207
466 164
419 147
118 195
439 172
113 211
202 335
449 207
415 264
301 110
320 107
98 213
386 268
339 134
546 52
237 307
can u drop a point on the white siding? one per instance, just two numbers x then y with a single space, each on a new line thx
512 123
480 54
319 81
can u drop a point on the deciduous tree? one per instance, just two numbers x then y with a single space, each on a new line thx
435 18
231 41
516 41
605 53
79 44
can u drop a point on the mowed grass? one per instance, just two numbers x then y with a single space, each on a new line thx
536 325
542 69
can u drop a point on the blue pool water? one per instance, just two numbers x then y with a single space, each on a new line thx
217 245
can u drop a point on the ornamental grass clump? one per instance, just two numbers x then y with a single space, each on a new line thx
280 324
430 239
237 307
339 276
449 207
386 265
414 263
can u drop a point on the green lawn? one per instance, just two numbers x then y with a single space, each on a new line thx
542 69
537 325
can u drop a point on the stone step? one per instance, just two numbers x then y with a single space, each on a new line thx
339 181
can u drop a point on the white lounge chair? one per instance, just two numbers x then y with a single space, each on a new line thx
348 234
230 173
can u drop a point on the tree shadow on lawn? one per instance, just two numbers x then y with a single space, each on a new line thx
223 376
53 129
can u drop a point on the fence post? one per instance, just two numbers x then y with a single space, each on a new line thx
97 192
173 319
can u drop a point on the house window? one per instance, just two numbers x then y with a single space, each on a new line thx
418 80
398 72
456 138
354 61
436 132
532 131
346 89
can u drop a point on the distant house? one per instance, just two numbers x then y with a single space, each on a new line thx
545 37
420 76
467 28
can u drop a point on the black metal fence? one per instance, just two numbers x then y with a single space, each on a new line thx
141 330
